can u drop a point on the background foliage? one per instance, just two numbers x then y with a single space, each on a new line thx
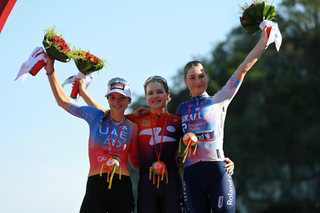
272 128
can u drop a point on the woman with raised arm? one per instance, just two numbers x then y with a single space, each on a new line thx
206 184
159 187
112 141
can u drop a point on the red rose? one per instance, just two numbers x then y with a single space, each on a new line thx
96 60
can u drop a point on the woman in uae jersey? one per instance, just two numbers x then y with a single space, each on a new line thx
112 141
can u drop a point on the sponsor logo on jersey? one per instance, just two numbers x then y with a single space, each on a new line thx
101 158
104 158
106 144
145 122
206 135
185 118
158 134
218 153
221 117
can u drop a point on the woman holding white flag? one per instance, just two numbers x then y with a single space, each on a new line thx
112 142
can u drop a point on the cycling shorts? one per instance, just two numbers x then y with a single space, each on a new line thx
207 185
100 199
165 199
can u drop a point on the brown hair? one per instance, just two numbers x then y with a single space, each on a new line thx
194 64
104 117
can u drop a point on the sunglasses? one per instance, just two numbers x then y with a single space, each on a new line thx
119 81
155 77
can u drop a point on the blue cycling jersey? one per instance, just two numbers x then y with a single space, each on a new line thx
210 122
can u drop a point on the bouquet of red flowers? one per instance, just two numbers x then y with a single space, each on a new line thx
56 46
86 63
257 16
253 15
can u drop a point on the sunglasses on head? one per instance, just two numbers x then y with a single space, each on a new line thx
118 80
155 77
118 83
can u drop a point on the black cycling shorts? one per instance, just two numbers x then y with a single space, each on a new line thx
165 199
100 199
207 186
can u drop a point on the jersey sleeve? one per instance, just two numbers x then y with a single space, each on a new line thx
131 118
133 155
228 91
85 112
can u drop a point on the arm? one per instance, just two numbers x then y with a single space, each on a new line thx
252 57
134 149
58 92
87 98
141 111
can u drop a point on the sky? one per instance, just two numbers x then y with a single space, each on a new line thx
44 153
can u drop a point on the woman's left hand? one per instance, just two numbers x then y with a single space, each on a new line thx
264 34
50 63
229 166
82 87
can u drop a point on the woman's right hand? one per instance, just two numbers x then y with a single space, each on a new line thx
141 111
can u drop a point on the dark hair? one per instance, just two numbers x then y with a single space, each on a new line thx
194 64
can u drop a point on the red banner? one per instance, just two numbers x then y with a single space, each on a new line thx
5 9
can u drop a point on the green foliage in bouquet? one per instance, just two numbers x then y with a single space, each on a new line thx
87 62
56 46
254 14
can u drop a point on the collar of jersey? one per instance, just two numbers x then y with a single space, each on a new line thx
156 115
200 97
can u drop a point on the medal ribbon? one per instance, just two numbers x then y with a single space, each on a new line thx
164 171
112 151
115 144
154 139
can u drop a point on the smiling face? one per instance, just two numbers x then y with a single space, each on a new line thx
197 80
156 97
118 102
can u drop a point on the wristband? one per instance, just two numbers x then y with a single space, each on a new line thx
50 72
